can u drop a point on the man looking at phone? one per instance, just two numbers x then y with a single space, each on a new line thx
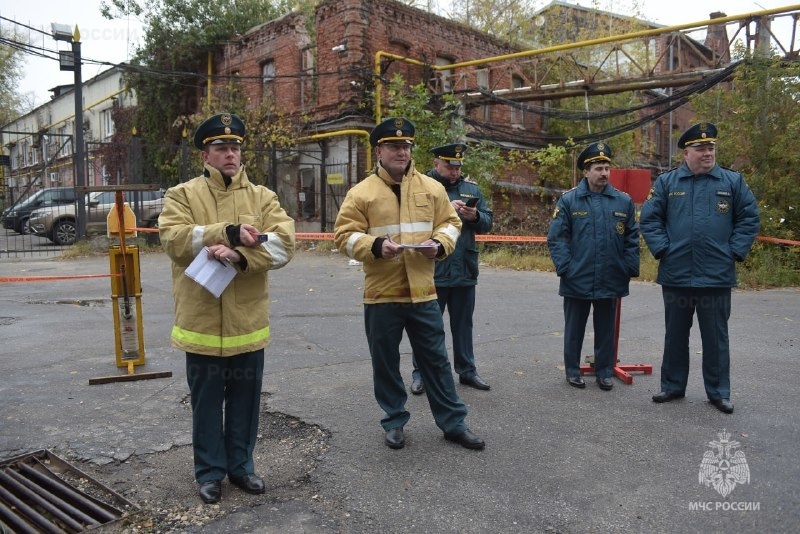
457 275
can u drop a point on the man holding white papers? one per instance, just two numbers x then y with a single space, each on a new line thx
224 338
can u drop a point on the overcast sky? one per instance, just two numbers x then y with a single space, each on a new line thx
112 41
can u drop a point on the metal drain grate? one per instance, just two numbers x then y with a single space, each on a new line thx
40 492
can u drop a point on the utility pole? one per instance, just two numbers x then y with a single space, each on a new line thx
61 32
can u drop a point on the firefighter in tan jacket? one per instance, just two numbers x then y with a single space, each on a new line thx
398 222
224 338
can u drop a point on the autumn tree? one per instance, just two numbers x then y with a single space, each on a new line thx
521 22
166 72
759 135
437 120
12 104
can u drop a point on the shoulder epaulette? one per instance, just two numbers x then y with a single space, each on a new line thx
470 180
665 172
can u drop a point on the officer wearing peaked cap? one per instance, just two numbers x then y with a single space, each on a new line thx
596 152
698 220
395 130
221 128
594 243
457 276
451 154
397 222
218 214
703 133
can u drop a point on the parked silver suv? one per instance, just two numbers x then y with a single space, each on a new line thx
16 216
59 223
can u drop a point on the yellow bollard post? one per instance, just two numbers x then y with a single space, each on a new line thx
126 297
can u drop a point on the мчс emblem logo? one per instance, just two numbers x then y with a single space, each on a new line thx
723 467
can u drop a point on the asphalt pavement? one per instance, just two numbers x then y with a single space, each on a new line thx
558 459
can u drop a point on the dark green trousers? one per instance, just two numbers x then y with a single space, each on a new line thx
423 324
226 396
713 308
460 305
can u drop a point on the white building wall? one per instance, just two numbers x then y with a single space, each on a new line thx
40 143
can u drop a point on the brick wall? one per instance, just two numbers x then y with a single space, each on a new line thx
348 35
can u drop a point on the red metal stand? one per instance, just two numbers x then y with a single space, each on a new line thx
623 372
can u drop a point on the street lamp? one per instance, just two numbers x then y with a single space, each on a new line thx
62 32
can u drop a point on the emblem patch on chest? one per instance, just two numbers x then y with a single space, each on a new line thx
723 205
620 227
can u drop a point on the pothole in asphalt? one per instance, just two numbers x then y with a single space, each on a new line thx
162 484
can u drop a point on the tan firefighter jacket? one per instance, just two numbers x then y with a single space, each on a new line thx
196 214
372 210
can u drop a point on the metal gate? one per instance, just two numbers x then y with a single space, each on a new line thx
310 187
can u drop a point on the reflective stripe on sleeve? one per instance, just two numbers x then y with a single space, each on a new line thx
275 248
197 238
351 243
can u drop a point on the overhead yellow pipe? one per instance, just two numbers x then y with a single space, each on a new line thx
340 133
379 81
562 47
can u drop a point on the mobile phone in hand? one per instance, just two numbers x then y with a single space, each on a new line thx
472 202
261 238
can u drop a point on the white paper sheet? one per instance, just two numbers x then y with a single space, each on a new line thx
210 273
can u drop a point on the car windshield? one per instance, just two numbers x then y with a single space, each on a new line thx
31 199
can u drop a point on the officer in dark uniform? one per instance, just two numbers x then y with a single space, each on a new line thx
457 275
594 243
698 220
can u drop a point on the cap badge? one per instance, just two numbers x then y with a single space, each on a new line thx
226 120
601 146
398 123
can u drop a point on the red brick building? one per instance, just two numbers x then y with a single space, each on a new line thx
323 68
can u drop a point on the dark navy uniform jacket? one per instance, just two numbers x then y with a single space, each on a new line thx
594 243
460 268
699 226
